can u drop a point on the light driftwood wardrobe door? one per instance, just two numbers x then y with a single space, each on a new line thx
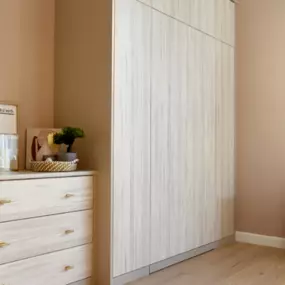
169 92
183 138
131 137
225 140
204 133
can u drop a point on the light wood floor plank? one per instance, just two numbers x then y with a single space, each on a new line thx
238 264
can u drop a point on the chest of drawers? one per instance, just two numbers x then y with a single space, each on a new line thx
46 228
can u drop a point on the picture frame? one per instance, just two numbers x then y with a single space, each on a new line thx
37 144
8 118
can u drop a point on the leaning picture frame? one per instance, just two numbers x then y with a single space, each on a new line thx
8 118
37 144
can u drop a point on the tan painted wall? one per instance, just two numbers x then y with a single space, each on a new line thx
27 61
261 117
83 98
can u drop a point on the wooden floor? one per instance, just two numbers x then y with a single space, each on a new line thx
238 264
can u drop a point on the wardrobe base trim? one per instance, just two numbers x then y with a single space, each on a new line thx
131 276
146 271
190 254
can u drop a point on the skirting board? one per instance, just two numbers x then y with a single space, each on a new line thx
260 240
143 272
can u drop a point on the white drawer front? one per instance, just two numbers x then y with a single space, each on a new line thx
39 197
59 268
32 237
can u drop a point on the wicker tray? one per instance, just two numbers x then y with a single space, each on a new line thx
53 166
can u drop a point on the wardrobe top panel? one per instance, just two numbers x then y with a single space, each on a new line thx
213 17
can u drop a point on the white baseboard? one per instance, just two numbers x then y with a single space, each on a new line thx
260 240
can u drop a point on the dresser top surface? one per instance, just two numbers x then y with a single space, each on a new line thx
22 175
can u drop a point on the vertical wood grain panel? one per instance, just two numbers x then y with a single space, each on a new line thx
207 124
175 83
219 171
213 17
194 156
160 200
207 16
226 19
228 129
192 142
225 134
131 136
183 138
169 91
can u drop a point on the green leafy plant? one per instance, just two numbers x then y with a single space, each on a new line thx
67 136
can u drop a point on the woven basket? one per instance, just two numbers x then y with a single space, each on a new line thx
53 166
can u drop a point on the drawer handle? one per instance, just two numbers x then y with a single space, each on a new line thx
69 196
3 202
3 244
68 232
68 267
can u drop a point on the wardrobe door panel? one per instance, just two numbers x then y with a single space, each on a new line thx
183 138
226 138
131 137
205 128
173 129
169 94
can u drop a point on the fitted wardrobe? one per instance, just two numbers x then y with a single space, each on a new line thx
152 83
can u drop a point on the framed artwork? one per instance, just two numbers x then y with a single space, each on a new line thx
38 144
8 118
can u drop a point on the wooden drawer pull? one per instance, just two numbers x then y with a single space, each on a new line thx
3 202
3 244
69 196
68 232
68 267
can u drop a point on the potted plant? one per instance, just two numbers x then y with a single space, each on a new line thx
67 136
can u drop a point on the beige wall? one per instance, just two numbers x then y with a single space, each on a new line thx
27 61
83 98
261 117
